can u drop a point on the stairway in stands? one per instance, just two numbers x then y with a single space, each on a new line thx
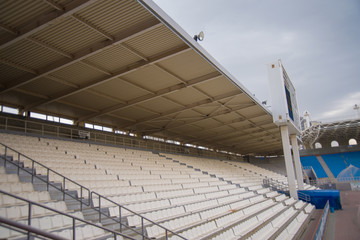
44 219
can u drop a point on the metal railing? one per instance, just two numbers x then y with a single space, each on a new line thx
318 235
25 229
74 220
304 197
324 181
276 185
307 167
284 188
91 196
47 128
144 221
348 179
30 167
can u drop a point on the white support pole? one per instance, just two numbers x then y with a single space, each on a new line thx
298 168
288 161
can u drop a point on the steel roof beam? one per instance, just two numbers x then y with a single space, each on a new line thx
247 138
92 26
62 81
84 53
43 21
219 113
31 93
105 96
17 66
255 144
93 66
132 50
187 107
160 93
223 135
123 71
51 48
170 73
239 120
55 5
8 29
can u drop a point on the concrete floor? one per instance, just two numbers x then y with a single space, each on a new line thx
342 224
345 224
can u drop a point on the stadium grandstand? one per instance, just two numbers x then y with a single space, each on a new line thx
116 124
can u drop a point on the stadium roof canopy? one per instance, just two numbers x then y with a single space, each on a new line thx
325 133
126 65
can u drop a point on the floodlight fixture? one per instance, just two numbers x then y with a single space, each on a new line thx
199 37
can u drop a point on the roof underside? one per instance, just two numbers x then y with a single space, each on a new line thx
115 64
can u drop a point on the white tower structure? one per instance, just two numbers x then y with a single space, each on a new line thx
286 116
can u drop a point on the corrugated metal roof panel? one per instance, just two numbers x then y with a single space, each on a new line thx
113 58
15 13
29 54
45 87
151 78
17 99
115 16
155 41
62 109
186 96
5 36
120 89
69 35
159 105
78 74
89 100
133 113
9 74
188 65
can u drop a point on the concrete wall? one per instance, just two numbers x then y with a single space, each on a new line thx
333 150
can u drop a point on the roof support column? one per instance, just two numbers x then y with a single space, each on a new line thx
288 161
296 155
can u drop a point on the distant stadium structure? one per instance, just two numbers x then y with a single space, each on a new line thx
332 134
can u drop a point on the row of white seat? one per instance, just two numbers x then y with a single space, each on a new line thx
51 154
190 202
84 232
16 187
290 231
112 188
42 218
22 211
208 228
244 227
208 210
35 196
227 173
137 201
53 223
7 178
222 170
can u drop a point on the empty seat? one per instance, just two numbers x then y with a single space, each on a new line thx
245 226
309 208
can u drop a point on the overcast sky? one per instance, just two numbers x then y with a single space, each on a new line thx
318 42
